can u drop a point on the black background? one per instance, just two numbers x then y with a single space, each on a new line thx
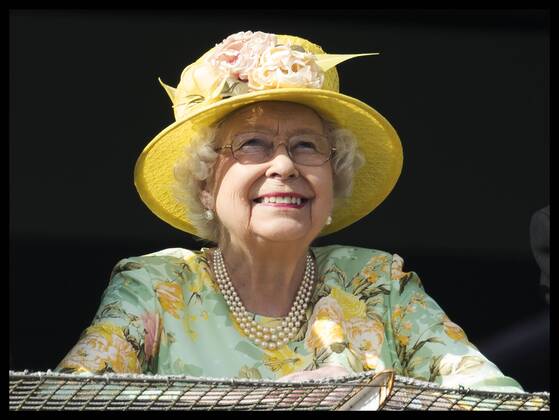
466 90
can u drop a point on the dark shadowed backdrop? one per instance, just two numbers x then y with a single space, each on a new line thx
466 90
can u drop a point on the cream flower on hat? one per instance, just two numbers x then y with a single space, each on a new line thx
239 53
285 67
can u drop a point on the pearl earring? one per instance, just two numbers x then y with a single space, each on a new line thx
209 214
329 220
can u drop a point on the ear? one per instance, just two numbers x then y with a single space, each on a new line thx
207 199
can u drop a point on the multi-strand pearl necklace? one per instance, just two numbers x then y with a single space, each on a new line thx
269 338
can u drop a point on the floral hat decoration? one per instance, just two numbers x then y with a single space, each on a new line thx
249 67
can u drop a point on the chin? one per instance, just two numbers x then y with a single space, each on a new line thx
282 232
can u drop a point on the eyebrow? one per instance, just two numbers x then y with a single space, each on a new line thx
302 130
250 128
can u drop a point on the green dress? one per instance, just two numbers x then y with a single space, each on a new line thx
163 313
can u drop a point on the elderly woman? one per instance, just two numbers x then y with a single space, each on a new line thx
265 156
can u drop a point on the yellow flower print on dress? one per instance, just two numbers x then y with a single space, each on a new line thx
103 346
417 299
452 330
186 324
397 312
283 360
365 337
403 339
170 296
195 285
375 264
351 306
201 272
124 358
323 333
372 277
370 274
341 318
325 325
83 358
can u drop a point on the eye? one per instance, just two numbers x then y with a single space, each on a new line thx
251 145
304 146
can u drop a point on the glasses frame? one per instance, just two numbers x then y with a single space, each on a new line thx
230 147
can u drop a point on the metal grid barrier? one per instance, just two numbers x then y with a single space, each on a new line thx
412 394
364 391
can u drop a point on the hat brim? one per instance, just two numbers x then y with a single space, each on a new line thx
377 139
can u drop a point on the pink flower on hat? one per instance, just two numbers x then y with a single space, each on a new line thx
240 52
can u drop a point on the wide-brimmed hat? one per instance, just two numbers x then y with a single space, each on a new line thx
252 67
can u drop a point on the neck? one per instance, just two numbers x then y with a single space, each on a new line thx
266 275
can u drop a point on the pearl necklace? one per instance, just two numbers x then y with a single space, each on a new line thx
269 338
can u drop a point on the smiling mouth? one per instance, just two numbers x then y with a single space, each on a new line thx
287 202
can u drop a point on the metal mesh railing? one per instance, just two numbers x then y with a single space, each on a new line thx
365 391
412 394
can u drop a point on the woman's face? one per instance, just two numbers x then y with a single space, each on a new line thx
238 189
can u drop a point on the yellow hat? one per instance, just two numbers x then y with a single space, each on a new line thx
246 68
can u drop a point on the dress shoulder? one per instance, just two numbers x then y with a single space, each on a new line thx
348 252
171 264
351 263
172 252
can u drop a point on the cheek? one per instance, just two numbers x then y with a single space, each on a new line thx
323 206
232 201
323 185
234 190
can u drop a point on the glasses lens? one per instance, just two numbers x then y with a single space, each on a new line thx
309 149
252 147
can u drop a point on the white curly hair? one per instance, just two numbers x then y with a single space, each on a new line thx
195 168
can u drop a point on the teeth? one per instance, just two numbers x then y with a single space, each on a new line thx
281 200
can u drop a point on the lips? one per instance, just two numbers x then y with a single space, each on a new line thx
285 199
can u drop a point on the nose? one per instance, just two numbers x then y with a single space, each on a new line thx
280 165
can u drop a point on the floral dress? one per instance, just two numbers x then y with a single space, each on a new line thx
163 313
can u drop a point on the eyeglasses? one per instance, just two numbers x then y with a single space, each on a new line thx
257 147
